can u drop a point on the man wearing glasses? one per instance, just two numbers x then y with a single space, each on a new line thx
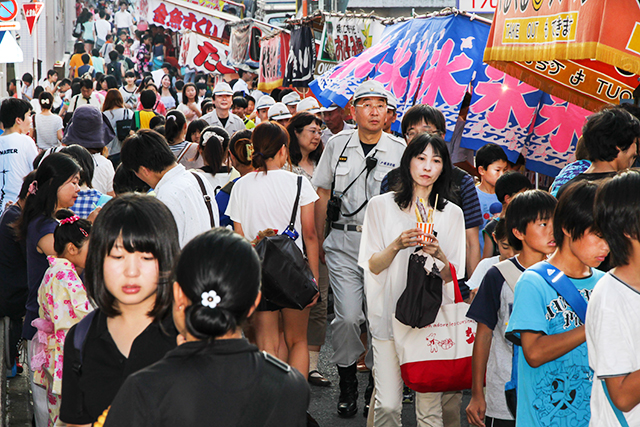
349 173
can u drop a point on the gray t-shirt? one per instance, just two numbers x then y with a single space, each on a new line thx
47 128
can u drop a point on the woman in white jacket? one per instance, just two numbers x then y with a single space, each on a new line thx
389 237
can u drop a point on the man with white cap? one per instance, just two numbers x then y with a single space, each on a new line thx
221 116
309 105
333 117
291 100
262 108
392 106
348 174
280 113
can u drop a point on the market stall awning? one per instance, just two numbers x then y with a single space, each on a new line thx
203 54
586 52
435 61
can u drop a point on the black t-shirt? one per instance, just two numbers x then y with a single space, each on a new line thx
202 383
367 148
89 392
585 176
13 267
223 120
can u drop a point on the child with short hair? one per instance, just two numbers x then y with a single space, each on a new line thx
86 69
613 318
554 378
527 221
506 251
63 303
491 163
507 186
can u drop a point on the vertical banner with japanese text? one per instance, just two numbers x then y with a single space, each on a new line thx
273 60
345 37
301 59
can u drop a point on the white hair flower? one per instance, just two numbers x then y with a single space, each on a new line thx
210 299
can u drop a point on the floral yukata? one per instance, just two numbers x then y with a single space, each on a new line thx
63 303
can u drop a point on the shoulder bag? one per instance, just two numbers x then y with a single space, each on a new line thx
123 126
287 280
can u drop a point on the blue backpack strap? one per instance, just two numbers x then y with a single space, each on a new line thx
563 286
80 334
619 415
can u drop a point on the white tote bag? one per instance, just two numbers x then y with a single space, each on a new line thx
437 358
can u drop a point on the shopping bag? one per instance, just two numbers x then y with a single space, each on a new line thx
437 358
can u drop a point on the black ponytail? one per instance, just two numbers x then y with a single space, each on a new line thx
219 271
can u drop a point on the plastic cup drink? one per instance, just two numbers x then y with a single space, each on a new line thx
426 227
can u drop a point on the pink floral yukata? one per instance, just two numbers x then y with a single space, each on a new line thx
63 303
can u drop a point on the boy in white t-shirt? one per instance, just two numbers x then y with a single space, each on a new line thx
17 150
613 317
506 251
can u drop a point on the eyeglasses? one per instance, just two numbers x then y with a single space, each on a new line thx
368 107
314 131
428 129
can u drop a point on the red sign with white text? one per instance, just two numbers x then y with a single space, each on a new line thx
31 13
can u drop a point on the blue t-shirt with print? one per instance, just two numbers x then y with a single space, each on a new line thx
486 200
557 393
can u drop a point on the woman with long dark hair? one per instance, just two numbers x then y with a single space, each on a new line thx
389 237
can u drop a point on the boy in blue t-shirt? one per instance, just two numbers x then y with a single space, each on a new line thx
554 378
491 308
491 163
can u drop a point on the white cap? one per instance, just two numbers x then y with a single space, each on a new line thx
279 111
392 102
309 105
222 88
291 98
370 89
265 101
329 108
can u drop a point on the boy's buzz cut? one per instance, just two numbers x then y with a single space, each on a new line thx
511 183
488 154
525 208
617 214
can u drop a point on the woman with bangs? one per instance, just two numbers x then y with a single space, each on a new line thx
131 253
389 236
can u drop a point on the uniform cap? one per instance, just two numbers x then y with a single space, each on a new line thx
309 105
222 88
279 111
291 98
265 102
329 108
370 88
392 102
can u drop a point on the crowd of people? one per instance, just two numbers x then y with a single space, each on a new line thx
130 207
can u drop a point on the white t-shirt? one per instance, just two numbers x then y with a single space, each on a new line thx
17 152
103 27
481 269
123 19
47 128
103 174
612 329
130 98
179 190
265 200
